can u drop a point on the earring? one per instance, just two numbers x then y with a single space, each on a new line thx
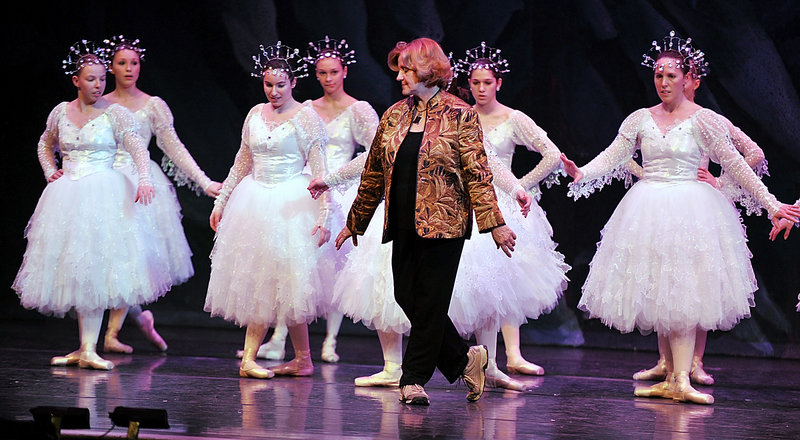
498 89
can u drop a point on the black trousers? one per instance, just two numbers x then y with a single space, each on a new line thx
424 275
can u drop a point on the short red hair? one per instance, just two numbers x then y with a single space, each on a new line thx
425 57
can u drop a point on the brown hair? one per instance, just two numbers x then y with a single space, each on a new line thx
424 56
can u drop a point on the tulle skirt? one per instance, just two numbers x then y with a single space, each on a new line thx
673 257
492 290
86 250
364 290
162 220
265 265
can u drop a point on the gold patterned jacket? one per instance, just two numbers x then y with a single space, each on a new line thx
453 174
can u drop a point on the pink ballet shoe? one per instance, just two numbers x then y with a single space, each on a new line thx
525 367
658 372
661 389
70 359
90 359
329 350
145 322
682 391
388 377
497 379
112 345
252 369
301 365
698 375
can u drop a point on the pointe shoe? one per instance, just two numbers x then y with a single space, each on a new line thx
526 368
90 359
301 365
683 392
698 375
658 372
388 377
497 379
661 389
329 350
70 359
145 322
272 350
252 369
112 345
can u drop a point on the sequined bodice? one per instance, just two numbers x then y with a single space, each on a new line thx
277 155
672 155
88 149
501 138
342 144
143 129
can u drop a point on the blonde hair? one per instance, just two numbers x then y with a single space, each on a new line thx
425 57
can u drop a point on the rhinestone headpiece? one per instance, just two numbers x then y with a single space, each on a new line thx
330 48
77 57
297 65
481 57
693 57
118 42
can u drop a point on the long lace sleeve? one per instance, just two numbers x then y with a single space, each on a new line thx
365 124
242 164
635 169
754 156
527 133
124 125
314 138
713 136
612 162
177 162
502 176
49 140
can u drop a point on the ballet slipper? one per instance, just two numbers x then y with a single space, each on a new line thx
145 322
112 345
497 379
524 367
329 350
301 365
658 372
682 391
388 377
272 350
250 368
698 375
90 359
70 359
661 389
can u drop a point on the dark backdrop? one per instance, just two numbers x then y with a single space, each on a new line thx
575 69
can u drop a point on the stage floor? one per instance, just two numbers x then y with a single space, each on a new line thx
586 394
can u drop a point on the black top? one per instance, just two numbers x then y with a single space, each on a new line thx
404 183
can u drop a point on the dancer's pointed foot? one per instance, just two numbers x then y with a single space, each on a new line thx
388 377
329 350
683 392
145 321
252 369
497 379
521 366
90 359
301 365
112 345
699 375
658 372
70 359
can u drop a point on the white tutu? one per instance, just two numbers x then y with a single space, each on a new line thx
364 290
493 290
335 259
266 265
673 257
86 251
162 221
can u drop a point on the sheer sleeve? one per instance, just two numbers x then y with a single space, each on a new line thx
527 133
712 135
124 125
177 162
503 178
242 164
314 138
612 162
48 141
365 124
754 156
635 169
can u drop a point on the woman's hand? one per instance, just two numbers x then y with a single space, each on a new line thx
213 189
524 200
324 234
704 175
778 226
571 168
344 234
216 217
53 177
789 212
317 187
505 239
145 194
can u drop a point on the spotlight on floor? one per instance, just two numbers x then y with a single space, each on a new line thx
137 418
55 418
